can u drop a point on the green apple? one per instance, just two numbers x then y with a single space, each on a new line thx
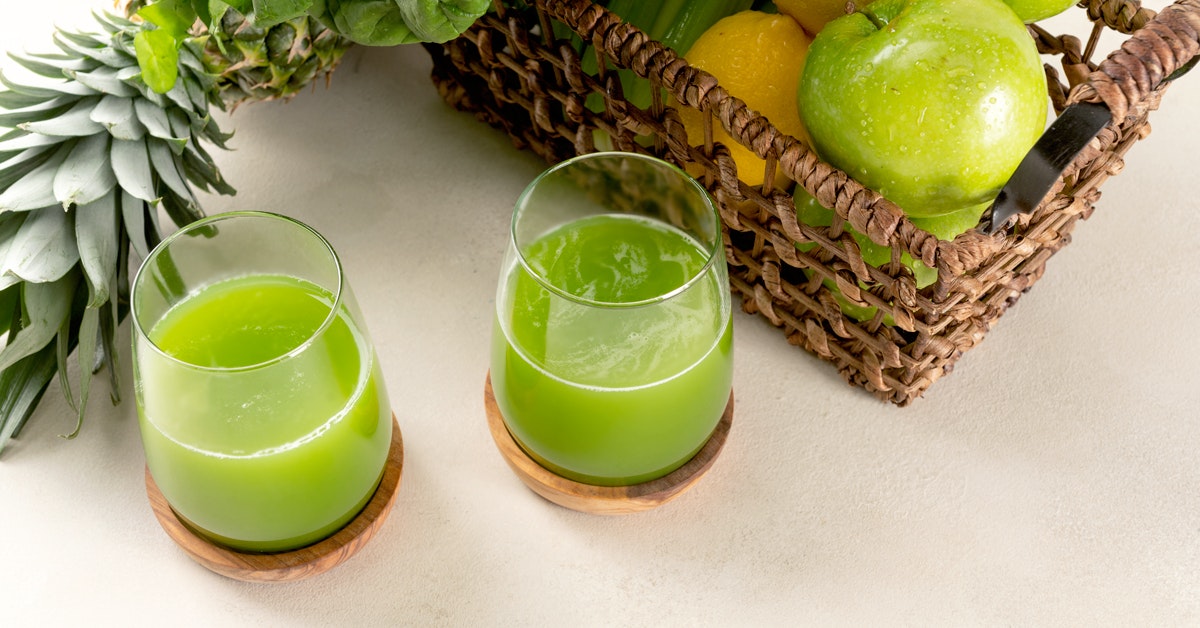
1034 10
944 227
931 103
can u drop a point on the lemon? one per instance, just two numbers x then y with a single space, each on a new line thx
757 57
813 15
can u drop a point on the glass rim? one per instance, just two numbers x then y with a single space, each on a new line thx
215 218
713 252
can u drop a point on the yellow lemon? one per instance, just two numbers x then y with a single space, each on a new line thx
758 57
813 15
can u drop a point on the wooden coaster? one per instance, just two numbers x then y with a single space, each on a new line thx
295 564
602 500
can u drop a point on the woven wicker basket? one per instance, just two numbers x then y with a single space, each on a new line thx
512 73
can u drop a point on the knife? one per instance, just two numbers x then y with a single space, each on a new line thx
1078 124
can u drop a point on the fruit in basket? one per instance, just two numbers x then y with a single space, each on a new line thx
932 103
675 24
757 57
1034 10
945 227
813 15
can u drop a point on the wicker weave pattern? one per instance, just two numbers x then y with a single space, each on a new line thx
512 75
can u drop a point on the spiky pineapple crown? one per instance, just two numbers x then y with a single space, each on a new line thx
91 156
254 63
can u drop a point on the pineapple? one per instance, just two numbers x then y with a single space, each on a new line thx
254 64
89 157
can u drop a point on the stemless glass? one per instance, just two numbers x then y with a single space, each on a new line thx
264 415
612 351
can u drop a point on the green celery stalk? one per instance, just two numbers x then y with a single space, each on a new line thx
692 19
678 25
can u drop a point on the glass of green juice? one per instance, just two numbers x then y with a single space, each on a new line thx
612 356
264 416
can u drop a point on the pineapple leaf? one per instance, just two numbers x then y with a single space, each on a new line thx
180 210
164 165
124 46
86 174
52 67
97 226
214 134
155 121
10 307
103 80
113 57
158 57
118 116
62 351
131 165
130 74
19 140
108 325
46 306
75 122
113 22
197 93
36 189
22 164
178 95
133 213
49 89
41 111
180 122
14 100
89 328
204 174
79 44
44 249
87 122
188 58
21 388
10 224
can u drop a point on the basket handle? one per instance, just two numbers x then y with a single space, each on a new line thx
1123 85
1157 53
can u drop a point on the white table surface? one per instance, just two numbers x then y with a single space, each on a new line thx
1052 479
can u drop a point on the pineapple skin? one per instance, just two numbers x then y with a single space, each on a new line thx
254 64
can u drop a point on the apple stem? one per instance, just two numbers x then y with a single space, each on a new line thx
879 24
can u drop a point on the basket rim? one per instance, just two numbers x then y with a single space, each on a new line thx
1129 81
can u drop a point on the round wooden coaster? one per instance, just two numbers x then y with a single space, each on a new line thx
296 564
602 500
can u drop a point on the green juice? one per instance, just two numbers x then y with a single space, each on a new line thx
614 394
258 440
